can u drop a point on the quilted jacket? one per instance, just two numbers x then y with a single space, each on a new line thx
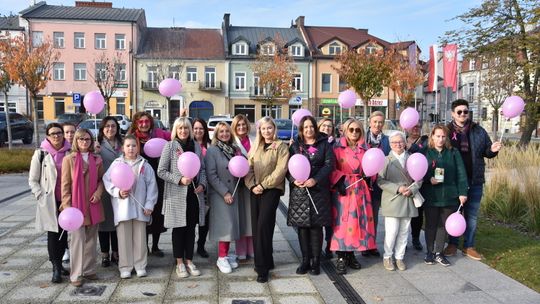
301 212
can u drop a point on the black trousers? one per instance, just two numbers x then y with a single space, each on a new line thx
263 221
108 239
56 245
435 231
417 222
310 239
183 238
203 230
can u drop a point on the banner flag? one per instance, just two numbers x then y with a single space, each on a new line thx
433 73
450 66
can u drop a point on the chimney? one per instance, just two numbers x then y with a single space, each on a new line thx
300 21
93 4
226 20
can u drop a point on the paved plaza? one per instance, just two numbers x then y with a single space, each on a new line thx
25 273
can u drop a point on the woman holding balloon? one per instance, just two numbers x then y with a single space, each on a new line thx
445 188
309 196
201 136
354 228
144 130
44 181
131 183
82 187
181 166
266 180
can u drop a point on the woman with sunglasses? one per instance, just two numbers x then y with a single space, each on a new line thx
354 228
144 129
44 181
82 187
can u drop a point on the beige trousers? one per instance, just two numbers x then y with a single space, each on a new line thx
132 249
83 252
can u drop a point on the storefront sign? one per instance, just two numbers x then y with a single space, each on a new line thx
373 102
328 100
153 104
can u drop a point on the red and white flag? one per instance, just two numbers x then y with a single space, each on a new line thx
432 76
450 66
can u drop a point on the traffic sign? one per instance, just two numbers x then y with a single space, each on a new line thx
295 100
77 99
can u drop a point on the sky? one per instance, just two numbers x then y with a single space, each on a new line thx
392 20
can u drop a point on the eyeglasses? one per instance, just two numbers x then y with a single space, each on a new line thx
355 130
465 112
56 133
326 126
109 127
84 139
397 142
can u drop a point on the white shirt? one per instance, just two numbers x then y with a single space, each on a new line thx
400 158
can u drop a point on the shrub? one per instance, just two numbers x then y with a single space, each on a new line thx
16 160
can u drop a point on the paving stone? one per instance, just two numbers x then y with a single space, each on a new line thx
12 276
8 224
27 232
138 291
383 285
281 246
299 300
14 262
191 289
227 300
292 285
245 271
33 251
285 270
12 241
284 257
435 283
241 288
19 218
416 299
67 296
477 297
521 296
34 294
6 250
198 301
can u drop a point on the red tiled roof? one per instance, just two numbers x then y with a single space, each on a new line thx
320 35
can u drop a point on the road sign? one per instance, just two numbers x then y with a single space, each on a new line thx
295 100
77 99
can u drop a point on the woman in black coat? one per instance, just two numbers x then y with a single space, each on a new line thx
302 214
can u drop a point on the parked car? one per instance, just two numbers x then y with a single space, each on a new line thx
92 125
213 121
284 127
389 126
159 124
21 128
74 118
124 122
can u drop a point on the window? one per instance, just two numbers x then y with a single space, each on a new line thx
273 111
268 49
58 71
191 74
297 83
152 76
484 113
471 92
79 40
100 41
342 85
37 38
120 105
240 48
334 48
40 108
297 50
240 81
257 90
79 71
247 110
101 71
326 85
370 49
120 41
58 38
174 72
485 64
472 65
58 106
120 72
209 77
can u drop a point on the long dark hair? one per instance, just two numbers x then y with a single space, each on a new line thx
301 127
101 135
206 136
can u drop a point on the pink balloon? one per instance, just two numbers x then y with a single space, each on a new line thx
70 219
513 106
299 167
189 164
93 102
455 224
373 161
169 87
122 176
238 166
298 115
154 146
347 99
417 166
409 118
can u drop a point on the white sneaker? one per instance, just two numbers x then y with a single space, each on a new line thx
223 265
125 274
65 258
181 271
192 269
141 273
232 261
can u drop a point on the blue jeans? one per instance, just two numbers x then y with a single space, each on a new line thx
471 208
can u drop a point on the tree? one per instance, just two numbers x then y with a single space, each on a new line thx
497 83
276 74
30 66
107 72
367 74
5 86
405 77
499 28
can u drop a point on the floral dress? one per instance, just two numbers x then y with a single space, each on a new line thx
354 226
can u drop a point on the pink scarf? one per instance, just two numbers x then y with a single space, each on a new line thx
78 188
58 157
245 142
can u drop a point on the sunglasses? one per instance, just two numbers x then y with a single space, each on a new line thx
459 112
143 122
84 139
56 133
355 130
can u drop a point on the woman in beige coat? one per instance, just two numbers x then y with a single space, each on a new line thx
82 187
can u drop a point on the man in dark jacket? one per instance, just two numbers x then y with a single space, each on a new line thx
474 144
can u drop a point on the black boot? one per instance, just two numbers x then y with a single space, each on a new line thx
63 271
303 239
315 266
352 262
341 267
57 271
316 239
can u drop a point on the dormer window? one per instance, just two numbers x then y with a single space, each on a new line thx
296 50
334 48
268 49
371 49
240 48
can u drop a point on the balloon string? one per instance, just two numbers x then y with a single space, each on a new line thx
311 199
292 130
198 199
133 197
394 197
356 182
235 187
502 131
61 234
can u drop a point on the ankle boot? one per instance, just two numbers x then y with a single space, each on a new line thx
315 266
63 271
304 266
303 239
57 272
341 266
352 262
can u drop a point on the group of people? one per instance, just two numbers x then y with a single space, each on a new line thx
71 170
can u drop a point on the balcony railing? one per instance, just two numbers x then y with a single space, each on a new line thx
210 86
149 85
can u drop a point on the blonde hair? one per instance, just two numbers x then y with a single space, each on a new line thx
181 122
375 114
259 140
238 118
222 125
346 125
320 123
442 127
78 134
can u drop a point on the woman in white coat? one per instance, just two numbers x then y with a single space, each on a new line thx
132 209
44 180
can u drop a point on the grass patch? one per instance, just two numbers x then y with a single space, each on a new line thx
15 161
510 252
